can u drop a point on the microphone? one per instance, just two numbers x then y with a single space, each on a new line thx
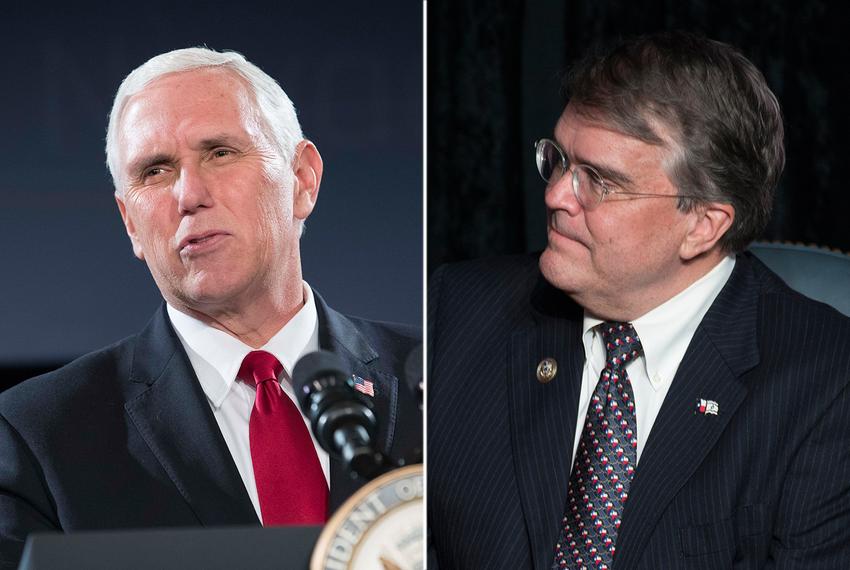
342 418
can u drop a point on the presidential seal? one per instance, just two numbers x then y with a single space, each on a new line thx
379 527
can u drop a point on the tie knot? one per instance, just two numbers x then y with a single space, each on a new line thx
621 343
258 367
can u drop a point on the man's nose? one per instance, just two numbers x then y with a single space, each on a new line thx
561 196
192 190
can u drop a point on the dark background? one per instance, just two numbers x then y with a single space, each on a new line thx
354 71
494 88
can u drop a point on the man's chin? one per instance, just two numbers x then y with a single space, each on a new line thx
207 291
560 270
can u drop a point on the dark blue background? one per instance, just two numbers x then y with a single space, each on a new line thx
354 71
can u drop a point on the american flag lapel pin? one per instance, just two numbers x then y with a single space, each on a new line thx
706 407
363 385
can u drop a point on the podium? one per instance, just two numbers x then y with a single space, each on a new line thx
223 548
380 526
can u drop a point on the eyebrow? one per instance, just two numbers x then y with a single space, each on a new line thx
144 162
607 173
222 139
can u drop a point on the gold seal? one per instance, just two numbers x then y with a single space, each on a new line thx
546 370
380 527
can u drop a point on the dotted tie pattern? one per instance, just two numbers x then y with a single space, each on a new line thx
605 461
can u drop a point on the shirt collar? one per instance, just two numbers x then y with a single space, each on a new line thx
666 331
216 356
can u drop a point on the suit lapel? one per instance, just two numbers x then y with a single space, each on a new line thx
339 335
543 415
723 348
174 419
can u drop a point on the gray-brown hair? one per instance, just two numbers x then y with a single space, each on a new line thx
724 120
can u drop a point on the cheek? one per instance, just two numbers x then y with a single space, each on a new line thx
139 213
153 216
269 214
608 235
657 242
628 238
276 203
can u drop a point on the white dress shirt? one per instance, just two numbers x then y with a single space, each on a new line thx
216 357
665 333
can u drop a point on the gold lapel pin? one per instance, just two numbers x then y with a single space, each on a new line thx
546 370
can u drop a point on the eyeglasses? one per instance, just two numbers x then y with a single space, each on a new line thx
588 185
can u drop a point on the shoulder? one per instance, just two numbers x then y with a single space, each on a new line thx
73 387
484 272
802 343
780 305
387 331
384 344
492 281
475 308
393 341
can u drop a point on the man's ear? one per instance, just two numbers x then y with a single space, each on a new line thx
708 223
130 227
307 167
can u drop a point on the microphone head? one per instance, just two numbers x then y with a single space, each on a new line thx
314 373
342 419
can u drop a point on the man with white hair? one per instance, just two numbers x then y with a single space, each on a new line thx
193 421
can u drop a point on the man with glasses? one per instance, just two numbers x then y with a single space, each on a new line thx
644 393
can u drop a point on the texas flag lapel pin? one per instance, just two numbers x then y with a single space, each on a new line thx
363 385
706 407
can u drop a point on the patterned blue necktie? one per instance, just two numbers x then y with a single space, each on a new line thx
605 460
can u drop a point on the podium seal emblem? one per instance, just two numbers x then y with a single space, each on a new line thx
380 527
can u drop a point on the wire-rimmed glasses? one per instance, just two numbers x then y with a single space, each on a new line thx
589 187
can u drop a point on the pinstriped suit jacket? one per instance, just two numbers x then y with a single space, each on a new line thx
764 484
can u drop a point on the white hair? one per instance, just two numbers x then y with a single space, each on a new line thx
276 111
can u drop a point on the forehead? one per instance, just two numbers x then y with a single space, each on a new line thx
591 139
179 106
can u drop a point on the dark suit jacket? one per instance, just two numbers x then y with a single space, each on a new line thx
124 437
764 484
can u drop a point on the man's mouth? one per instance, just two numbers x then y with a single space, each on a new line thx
558 226
198 242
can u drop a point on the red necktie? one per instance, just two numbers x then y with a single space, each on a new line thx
290 482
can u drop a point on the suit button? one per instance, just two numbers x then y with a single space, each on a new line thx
546 370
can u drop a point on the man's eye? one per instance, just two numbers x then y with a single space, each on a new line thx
155 171
222 152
